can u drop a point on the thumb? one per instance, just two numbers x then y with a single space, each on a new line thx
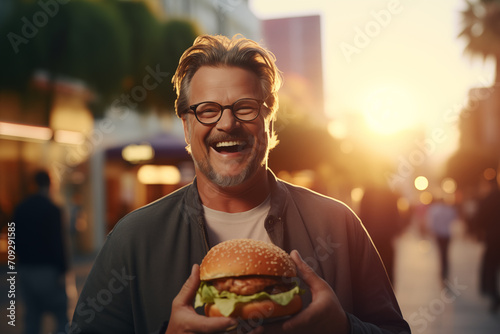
188 290
306 273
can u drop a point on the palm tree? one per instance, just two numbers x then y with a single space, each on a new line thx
479 146
481 27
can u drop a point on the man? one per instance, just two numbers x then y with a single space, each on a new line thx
440 218
42 257
487 220
147 273
379 213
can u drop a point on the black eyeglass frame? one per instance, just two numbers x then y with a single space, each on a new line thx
229 106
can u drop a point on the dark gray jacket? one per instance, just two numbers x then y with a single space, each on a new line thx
149 254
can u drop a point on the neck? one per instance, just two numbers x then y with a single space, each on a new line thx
239 198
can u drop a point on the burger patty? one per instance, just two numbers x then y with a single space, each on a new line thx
249 285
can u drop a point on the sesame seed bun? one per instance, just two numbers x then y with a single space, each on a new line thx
244 257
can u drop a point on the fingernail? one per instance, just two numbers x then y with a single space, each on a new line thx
233 325
298 254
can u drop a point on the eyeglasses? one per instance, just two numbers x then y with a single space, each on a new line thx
244 110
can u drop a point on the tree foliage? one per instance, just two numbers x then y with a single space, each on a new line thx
107 44
481 29
176 36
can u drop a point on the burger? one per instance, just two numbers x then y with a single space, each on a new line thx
248 279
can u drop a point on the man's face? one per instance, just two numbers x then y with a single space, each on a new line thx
229 152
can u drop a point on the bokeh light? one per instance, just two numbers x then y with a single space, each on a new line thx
136 153
403 204
449 185
152 174
489 174
426 198
357 194
421 183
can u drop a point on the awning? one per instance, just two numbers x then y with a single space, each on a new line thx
166 146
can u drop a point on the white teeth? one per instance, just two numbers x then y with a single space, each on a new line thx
229 143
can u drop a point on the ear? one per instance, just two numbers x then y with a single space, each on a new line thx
269 123
187 132
185 125
273 137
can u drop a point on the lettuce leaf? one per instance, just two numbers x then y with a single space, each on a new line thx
226 301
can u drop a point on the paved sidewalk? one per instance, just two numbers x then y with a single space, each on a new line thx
431 307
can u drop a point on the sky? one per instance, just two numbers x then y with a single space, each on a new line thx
399 64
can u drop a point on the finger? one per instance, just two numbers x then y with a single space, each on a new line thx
201 324
325 305
306 273
188 290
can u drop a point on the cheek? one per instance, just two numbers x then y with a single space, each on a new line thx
192 132
196 137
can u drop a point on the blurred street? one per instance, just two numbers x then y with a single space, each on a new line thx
432 308
74 279
429 307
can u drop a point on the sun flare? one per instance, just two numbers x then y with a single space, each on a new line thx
390 110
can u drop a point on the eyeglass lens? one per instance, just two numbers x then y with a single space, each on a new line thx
244 109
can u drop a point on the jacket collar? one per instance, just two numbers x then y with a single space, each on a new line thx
279 194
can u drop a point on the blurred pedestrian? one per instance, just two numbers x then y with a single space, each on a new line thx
380 215
41 257
488 222
440 217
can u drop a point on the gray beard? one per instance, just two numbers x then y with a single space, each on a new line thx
230 181
224 180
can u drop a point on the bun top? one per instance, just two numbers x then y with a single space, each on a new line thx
241 257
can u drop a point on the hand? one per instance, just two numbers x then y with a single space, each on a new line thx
184 319
324 314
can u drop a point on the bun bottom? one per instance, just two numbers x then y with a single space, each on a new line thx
261 309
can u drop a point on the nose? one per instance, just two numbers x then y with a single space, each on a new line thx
227 121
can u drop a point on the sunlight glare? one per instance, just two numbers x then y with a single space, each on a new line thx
337 129
390 110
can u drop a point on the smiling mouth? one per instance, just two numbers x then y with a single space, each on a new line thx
232 146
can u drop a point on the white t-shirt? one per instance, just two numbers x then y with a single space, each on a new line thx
222 226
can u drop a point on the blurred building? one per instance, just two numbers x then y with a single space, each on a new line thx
479 145
224 17
296 42
480 121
